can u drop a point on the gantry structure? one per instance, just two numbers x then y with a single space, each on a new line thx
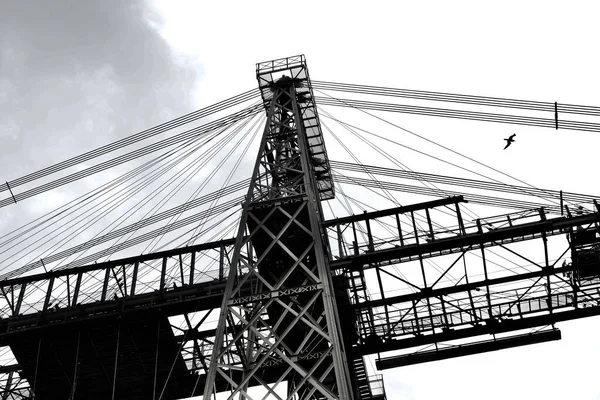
291 312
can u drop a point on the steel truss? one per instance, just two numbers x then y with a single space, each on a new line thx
428 307
289 319
169 283
151 280
192 279
304 298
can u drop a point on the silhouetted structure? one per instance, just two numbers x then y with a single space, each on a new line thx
290 289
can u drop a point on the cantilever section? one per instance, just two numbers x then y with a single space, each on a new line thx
270 74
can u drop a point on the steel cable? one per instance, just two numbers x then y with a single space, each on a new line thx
458 98
225 121
201 113
458 114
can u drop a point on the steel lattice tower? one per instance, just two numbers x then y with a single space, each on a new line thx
279 319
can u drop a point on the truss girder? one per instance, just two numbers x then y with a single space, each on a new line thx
435 308
355 246
175 279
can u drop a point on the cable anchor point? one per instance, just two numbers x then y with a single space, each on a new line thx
11 192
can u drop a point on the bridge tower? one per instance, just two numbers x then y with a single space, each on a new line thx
279 326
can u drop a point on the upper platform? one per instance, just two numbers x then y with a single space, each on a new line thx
268 73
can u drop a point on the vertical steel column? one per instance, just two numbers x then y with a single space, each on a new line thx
136 266
48 294
192 266
77 287
74 386
20 298
37 364
117 362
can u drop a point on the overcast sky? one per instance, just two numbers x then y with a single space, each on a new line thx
78 74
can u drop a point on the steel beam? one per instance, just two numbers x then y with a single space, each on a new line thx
395 253
468 349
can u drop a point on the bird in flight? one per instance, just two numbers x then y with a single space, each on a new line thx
509 140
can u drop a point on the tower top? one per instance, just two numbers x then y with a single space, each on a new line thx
292 71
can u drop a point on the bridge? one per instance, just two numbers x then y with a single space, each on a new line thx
293 302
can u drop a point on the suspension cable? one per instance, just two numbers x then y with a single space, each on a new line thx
458 98
145 134
202 130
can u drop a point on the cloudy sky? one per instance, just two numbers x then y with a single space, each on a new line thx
78 74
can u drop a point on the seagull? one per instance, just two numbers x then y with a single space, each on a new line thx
509 140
